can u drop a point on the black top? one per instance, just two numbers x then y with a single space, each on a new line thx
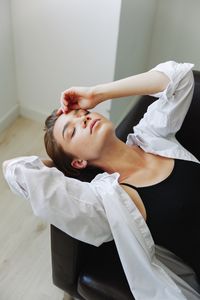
173 211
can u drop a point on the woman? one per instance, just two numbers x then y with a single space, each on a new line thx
145 180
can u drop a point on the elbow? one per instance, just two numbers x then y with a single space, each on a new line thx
4 166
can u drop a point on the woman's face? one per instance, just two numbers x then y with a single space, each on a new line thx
83 134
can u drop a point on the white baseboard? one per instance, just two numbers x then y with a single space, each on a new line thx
9 118
32 114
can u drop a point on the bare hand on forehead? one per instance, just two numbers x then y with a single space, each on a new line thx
76 98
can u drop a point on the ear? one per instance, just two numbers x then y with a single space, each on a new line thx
79 163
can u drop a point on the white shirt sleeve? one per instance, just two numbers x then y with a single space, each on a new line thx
69 204
165 116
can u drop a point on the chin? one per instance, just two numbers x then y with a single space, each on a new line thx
105 134
106 128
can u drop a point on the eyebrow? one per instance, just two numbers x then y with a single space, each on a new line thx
67 124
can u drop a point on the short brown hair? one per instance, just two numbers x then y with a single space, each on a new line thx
61 159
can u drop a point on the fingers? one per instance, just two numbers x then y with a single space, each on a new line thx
64 102
67 109
74 106
59 111
68 101
64 105
74 98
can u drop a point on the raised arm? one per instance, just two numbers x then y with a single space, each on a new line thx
69 204
150 82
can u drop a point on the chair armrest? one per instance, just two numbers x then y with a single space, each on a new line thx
66 254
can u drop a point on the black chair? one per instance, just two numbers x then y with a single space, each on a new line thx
95 273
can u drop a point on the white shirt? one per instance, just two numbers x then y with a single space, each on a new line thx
101 210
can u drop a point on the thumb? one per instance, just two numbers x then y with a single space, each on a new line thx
74 106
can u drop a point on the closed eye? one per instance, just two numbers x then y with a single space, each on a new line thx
73 132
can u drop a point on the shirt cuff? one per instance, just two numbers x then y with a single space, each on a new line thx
175 72
13 173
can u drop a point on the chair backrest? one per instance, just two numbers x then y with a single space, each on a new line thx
189 133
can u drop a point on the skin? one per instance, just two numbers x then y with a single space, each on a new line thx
85 144
100 148
103 149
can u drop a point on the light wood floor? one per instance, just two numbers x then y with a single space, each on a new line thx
25 261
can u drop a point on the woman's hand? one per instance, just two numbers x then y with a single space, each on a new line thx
78 98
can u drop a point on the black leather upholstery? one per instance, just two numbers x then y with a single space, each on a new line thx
95 273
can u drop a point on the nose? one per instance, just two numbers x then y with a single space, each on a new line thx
85 120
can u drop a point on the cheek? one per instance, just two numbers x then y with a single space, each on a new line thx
105 132
78 146
90 147
85 147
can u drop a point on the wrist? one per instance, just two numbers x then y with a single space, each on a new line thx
98 94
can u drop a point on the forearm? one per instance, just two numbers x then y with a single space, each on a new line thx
142 84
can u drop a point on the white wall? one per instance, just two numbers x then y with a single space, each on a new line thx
8 93
135 34
60 43
152 32
176 32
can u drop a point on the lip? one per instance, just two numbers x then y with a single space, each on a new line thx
93 124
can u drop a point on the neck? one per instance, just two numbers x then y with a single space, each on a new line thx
119 157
